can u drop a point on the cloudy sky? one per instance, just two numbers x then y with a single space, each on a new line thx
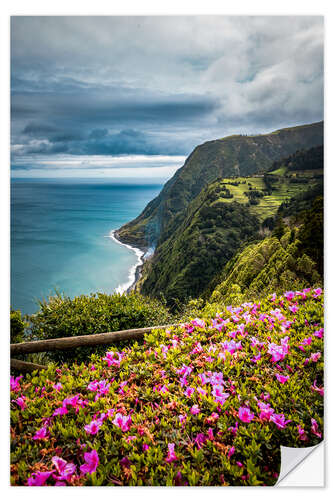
132 96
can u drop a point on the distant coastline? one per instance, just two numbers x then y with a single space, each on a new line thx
135 271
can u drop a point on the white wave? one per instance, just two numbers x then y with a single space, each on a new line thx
131 273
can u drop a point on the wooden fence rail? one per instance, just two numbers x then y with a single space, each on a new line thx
65 343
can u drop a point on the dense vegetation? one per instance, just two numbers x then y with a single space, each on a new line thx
308 159
62 316
206 403
225 217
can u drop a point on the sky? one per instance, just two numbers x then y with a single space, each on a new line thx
132 96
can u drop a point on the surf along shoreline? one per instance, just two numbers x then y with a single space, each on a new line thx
135 271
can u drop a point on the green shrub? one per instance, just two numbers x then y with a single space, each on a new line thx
17 327
97 313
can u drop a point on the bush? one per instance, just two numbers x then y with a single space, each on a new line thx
17 327
207 403
97 313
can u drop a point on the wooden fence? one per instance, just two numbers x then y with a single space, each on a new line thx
66 343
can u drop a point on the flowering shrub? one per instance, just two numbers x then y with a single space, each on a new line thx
206 403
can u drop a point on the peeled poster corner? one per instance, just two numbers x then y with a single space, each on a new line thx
302 467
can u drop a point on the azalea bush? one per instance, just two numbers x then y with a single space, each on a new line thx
63 316
206 403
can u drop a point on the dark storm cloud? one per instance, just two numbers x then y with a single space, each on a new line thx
159 85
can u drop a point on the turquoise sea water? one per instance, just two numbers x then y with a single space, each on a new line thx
60 236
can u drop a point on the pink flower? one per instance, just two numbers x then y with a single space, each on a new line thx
219 396
93 427
319 333
265 411
123 422
314 428
20 402
57 386
182 419
145 447
200 440
293 308
289 295
189 392
315 356
60 411
130 438
317 292
171 453
245 414
281 378
210 434
231 452
91 462
42 433
301 433
195 410
201 391
314 387
14 383
64 469
38 478
198 322
279 420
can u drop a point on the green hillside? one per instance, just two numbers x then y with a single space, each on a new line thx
236 155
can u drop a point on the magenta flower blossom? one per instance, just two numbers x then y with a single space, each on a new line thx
57 386
182 419
265 411
219 396
93 427
231 452
210 434
184 370
91 462
198 322
111 358
281 378
15 383
38 478
171 453
289 295
201 391
279 420
319 333
42 433
145 447
195 410
293 308
278 352
320 390
317 292
60 411
245 414
123 422
125 462
315 356
189 392
314 428
301 433
64 469
20 402
200 440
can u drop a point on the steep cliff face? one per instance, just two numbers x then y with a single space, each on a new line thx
231 156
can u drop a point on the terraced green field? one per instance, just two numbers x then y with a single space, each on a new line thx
284 189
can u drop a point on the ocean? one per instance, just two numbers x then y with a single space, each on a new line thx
61 237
